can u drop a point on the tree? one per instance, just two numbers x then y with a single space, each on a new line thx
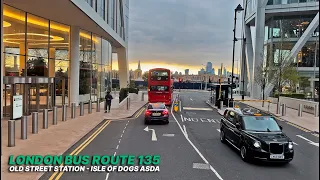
145 76
36 67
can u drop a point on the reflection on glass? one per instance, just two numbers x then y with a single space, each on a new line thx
14 40
94 81
96 49
159 88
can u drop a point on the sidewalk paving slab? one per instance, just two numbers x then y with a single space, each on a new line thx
57 138
308 122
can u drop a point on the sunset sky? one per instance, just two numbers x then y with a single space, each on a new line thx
182 34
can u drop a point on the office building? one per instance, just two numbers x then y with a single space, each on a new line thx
219 72
209 68
186 72
213 71
276 27
59 52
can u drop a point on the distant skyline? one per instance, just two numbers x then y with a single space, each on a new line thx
182 34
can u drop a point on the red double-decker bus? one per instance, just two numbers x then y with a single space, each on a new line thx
160 86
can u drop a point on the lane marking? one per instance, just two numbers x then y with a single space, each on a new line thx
296 126
179 106
295 143
185 130
153 136
317 135
218 130
81 147
168 135
117 146
201 166
139 113
195 148
197 109
309 141
107 177
115 153
191 99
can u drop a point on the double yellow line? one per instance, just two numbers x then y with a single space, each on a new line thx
139 112
57 176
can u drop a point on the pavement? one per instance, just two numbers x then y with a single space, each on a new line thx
57 139
189 147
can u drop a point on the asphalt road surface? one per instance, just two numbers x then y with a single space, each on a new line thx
189 148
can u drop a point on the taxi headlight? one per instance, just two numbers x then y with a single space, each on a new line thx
257 144
290 145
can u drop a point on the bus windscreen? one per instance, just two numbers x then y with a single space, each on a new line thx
159 88
159 75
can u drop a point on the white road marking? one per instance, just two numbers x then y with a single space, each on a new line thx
179 106
119 141
185 130
310 142
117 146
201 166
115 153
168 135
153 136
107 177
195 148
197 109
121 135
218 130
191 99
295 143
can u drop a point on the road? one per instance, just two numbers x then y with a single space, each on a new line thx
190 148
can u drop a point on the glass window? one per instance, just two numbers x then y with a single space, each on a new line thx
14 33
85 66
37 44
156 106
96 49
106 52
260 123
159 75
159 88
111 10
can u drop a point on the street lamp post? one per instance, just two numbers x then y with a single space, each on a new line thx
237 10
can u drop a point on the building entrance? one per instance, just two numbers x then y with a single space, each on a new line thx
37 94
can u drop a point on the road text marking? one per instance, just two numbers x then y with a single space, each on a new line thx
204 120
218 130
200 166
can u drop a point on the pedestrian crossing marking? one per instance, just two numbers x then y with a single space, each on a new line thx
315 134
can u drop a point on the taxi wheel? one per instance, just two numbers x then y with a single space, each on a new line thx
222 136
244 153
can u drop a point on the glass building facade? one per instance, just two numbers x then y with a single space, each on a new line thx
37 50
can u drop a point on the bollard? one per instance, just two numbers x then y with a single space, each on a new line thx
300 110
81 109
268 107
228 103
278 108
142 97
54 115
11 133
128 103
284 109
24 124
45 119
35 123
316 110
98 105
90 107
73 110
64 112
221 104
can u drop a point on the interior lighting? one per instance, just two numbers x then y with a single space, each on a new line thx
39 23
6 24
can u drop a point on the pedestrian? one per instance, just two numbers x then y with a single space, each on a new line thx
108 98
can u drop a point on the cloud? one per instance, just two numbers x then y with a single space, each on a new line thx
184 32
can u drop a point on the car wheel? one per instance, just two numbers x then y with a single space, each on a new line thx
244 153
222 136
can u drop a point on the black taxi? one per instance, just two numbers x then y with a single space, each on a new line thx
256 136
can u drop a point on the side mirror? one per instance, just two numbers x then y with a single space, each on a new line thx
238 126
280 127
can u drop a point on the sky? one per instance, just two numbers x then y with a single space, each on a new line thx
182 34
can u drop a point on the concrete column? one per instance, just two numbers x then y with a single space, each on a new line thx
74 65
258 55
249 57
52 64
123 67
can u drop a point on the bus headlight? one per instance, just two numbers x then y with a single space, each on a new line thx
290 145
257 144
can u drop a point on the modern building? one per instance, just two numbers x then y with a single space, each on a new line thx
209 68
225 73
213 71
219 72
202 71
280 27
186 71
59 52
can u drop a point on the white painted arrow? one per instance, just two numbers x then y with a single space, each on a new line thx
310 142
154 136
